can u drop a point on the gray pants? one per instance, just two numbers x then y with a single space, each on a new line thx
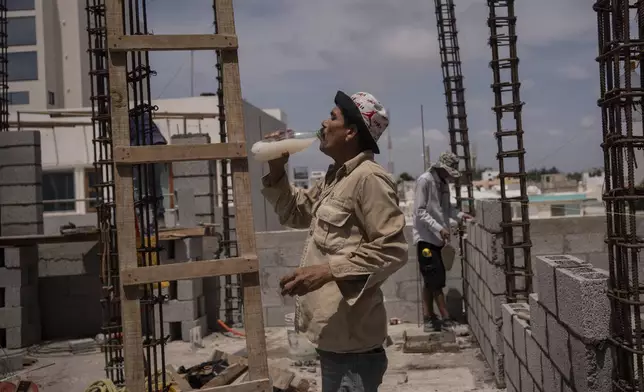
359 372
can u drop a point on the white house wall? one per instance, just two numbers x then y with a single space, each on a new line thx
66 147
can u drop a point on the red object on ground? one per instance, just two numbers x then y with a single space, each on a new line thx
7 387
227 328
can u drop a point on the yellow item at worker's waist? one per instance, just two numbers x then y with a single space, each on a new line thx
426 252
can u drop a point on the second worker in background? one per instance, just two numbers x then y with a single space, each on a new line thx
432 214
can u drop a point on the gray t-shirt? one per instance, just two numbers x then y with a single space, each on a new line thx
432 209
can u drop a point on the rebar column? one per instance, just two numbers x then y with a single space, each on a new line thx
230 286
146 197
103 186
455 97
621 43
4 86
511 152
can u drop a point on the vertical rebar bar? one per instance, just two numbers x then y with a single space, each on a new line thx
146 197
456 113
103 185
509 136
4 76
620 50
230 288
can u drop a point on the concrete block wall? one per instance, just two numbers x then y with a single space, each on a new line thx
558 345
200 176
21 207
280 252
186 305
21 213
556 341
485 285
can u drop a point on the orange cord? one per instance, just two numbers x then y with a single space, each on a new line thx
228 329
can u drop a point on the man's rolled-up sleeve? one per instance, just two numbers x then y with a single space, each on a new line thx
384 249
292 205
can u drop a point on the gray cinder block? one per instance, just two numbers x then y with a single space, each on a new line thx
23 214
538 324
551 376
185 196
511 367
9 229
545 267
496 279
13 317
188 249
21 296
558 346
507 323
491 214
16 277
519 327
20 194
22 257
533 356
176 311
22 138
23 336
591 367
527 384
498 368
186 326
582 302
189 289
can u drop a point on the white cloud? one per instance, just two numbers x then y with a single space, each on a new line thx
396 44
574 72
528 84
588 121
554 132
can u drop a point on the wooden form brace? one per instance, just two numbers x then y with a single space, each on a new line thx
125 156
178 153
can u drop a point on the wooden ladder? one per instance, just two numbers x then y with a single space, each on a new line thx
125 156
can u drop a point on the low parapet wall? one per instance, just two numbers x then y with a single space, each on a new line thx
556 341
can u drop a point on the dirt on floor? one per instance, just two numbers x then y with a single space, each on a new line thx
460 371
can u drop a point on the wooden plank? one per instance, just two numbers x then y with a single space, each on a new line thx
281 378
164 42
189 270
178 233
261 385
25 240
227 376
178 153
233 104
124 196
181 381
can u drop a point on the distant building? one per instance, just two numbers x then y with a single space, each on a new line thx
301 178
68 155
47 54
556 183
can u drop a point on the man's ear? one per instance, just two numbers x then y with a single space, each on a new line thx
352 130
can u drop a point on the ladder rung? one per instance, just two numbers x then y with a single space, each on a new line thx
130 43
191 270
133 155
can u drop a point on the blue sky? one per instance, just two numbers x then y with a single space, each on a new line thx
295 54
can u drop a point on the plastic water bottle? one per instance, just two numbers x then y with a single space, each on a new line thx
292 142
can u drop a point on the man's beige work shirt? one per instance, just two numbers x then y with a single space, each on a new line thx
355 226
